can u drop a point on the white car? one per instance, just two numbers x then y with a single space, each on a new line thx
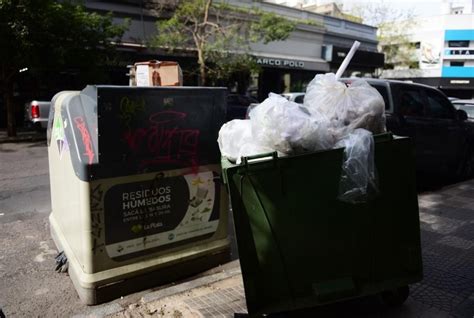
465 104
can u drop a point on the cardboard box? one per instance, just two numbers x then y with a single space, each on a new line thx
156 73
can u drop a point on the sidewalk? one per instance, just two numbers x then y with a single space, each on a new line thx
447 290
22 135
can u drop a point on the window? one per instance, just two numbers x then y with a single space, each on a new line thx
439 106
456 63
417 45
411 101
458 43
383 91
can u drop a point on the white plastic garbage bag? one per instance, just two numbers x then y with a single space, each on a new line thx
288 128
346 108
358 177
236 141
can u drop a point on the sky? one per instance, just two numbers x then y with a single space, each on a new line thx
422 8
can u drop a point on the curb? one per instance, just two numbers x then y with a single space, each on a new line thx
115 308
170 291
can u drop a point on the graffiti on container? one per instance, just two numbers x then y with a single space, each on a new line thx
86 138
129 109
166 143
96 196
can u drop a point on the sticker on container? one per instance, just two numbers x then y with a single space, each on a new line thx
59 136
146 215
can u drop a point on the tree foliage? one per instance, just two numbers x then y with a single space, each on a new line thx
394 28
50 34
220 35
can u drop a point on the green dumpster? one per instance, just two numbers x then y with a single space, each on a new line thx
300 246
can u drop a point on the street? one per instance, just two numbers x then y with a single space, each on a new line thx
30 287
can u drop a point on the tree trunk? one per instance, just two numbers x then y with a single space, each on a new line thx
10 108
202 72
202 68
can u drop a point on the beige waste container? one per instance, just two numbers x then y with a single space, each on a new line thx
136 191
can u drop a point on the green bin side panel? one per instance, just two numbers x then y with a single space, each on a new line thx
300 246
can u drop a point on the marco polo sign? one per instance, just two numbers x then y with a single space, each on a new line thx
280 62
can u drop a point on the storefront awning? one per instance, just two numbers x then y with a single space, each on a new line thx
336 55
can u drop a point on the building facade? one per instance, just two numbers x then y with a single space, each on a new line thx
317 45
444 52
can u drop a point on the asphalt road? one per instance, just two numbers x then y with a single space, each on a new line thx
29 286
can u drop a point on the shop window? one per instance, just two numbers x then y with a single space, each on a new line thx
456 63
458 43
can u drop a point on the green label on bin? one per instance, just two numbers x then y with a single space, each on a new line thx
145 215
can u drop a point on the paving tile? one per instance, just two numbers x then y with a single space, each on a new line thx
429 237
221 303
465 309
457 261
447 281
466 231
456 242
435 297
439 224
468 193
458 202
435 197
457 213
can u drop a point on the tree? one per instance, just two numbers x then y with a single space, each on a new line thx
394 27
219 34
49 34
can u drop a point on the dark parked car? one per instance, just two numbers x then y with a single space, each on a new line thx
443 137
237 105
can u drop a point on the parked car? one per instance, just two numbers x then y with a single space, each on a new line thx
467 105
294 97
37 113
443 137
237 105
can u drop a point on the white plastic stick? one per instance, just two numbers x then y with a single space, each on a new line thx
348 59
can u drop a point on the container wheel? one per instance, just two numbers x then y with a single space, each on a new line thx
396 296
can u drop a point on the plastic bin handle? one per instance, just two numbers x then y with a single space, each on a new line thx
259 157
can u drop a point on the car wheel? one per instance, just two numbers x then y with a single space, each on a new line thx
396 296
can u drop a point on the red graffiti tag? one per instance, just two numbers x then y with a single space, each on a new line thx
86 138
167 143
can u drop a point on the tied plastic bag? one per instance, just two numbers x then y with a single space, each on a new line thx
346 108
236 141
358 178
287 127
